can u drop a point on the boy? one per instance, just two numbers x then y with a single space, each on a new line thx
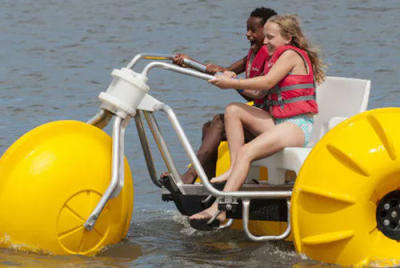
252 65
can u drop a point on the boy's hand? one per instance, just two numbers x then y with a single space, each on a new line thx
213 68
178 59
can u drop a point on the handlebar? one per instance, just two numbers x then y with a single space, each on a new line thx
177 69
158 56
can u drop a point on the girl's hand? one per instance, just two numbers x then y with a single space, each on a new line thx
230 74
223 81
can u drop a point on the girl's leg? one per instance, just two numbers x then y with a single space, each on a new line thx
283 135
238 117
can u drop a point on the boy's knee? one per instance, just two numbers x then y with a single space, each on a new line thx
215 128
218 121
206 125
205 129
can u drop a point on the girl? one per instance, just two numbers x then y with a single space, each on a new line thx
286 117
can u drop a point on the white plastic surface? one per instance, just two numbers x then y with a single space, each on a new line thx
338 98
149 103
125 92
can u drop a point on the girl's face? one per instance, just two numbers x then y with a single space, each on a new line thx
273 38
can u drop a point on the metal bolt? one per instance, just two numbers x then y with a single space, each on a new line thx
386 222
228 207
386 206
393 214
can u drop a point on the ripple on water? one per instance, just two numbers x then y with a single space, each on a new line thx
168 233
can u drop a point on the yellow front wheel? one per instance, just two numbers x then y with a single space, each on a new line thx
50 181
346 200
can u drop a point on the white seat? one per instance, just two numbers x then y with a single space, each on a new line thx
338 98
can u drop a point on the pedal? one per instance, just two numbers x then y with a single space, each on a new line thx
167 197
228 204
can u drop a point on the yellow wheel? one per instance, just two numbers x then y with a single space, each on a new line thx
51 180
345 203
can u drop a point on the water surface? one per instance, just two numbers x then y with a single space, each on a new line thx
57 57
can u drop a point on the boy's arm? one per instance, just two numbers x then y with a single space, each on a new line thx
239 66
236 67
251 95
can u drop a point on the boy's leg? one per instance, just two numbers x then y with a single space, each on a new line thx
213 134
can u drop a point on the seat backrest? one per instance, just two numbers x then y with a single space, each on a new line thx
338 97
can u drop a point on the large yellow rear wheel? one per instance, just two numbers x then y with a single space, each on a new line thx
50 181
345 203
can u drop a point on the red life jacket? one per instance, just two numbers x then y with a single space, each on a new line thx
257 66
294 94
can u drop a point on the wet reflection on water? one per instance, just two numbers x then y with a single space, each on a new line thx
119 255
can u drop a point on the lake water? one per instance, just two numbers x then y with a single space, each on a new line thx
57 57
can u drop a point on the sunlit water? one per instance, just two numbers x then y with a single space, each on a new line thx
56 57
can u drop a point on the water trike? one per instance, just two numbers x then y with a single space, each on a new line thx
67 189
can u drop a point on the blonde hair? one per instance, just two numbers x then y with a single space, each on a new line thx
289 26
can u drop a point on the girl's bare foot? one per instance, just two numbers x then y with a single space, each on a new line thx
208 214
221 178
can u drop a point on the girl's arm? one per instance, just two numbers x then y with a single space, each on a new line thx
248 94
285 63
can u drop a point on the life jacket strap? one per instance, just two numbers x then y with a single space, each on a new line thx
281 102
278 90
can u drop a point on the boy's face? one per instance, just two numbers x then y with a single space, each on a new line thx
255 33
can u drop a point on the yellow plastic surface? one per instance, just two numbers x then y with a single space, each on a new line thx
51 180
339 186
224 162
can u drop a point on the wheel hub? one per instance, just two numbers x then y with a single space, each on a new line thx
388 215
